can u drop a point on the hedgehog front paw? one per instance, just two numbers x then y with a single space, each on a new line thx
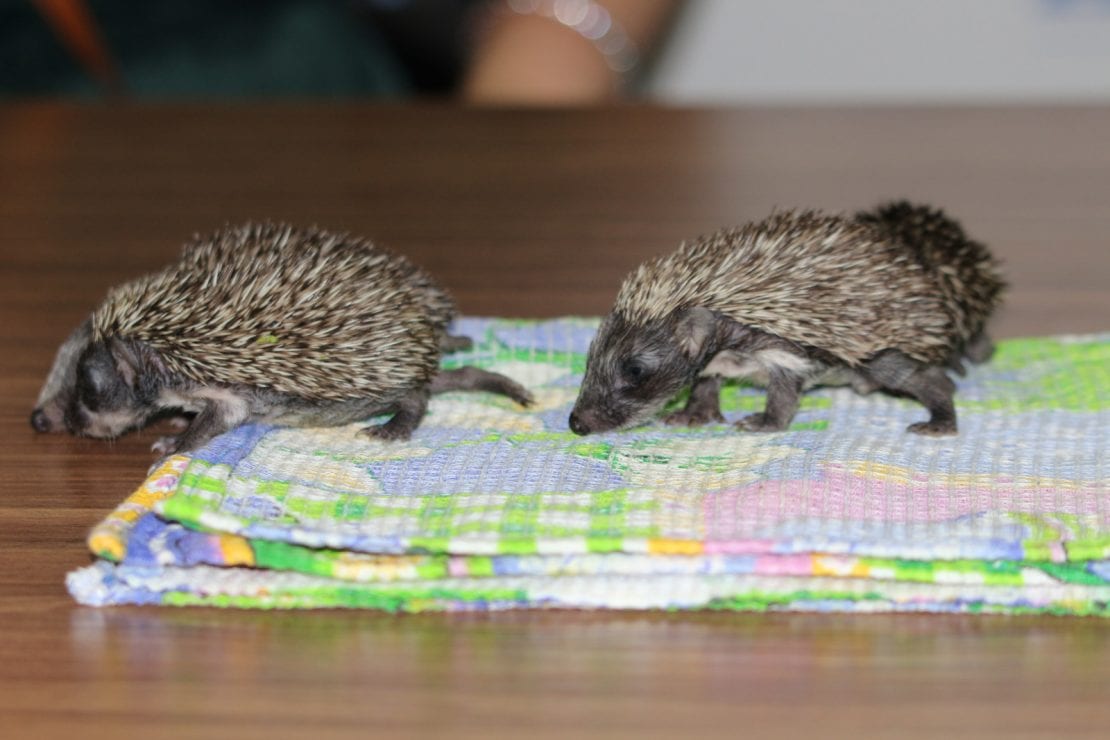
166 446
388 432
933 428
759 423
693 417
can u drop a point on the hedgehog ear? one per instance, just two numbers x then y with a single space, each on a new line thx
136 361
126 361
694 328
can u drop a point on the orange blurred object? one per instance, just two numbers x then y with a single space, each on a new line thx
76 28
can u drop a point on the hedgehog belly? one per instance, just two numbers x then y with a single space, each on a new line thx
288 410
757 366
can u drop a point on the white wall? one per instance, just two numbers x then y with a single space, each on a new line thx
861 51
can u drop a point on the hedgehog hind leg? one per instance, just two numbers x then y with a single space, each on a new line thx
928 384
475 379
702 407
409 412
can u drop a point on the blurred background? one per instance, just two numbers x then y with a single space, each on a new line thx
561 51
888 51
993 109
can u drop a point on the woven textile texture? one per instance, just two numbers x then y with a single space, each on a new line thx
494 506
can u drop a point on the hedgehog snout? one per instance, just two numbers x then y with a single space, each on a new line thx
40 422
578 425
591 418
49 415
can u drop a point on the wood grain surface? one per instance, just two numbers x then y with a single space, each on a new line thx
527 213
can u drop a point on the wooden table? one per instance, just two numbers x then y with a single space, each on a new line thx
529 214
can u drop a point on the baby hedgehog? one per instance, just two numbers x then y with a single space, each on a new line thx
264 323
888 299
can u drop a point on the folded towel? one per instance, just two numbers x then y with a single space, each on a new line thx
494 506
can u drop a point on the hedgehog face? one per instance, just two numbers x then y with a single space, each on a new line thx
106 400
632 370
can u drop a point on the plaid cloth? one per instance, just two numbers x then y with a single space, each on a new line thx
494 506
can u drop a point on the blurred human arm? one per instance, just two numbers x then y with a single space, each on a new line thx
534 59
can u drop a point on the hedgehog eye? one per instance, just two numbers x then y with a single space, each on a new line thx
90 388
633 371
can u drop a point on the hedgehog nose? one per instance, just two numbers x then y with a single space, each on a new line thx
39 421
578 426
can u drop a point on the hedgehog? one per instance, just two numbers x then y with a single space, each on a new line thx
890 299
265 323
